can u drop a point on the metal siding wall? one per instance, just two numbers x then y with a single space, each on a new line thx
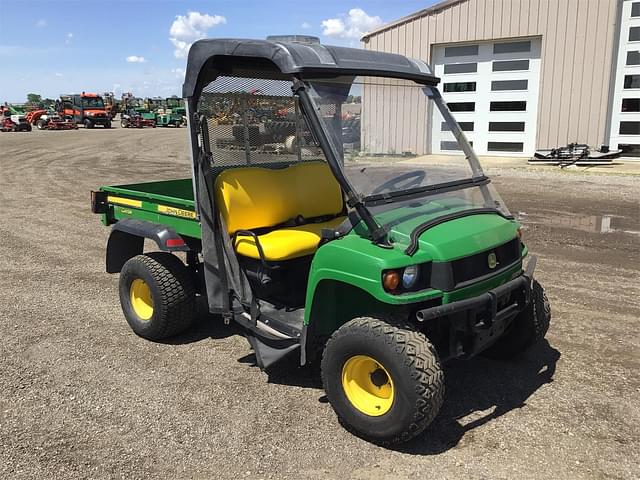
577 45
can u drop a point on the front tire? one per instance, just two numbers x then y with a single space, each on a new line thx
527 329
88 123
384 382
157 295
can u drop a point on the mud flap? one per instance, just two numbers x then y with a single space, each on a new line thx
269 351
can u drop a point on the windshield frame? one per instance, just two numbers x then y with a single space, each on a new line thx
335 157
431 92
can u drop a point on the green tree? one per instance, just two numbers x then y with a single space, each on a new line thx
34 98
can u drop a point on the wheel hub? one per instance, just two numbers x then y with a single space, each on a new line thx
367 385
141 301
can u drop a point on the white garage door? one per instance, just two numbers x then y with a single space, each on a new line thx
492 90
625 122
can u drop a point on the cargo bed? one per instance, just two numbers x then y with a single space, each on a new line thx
167 202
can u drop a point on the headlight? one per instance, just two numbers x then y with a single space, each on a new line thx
410 276
90 114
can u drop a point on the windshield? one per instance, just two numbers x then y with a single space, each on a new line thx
382 130
92 102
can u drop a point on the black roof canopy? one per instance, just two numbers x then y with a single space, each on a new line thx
211 57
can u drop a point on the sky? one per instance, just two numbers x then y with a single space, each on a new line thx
51 47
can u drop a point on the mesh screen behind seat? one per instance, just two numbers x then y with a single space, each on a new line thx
255 122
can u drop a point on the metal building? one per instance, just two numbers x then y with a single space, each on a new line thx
522 74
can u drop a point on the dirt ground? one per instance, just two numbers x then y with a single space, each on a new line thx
82 397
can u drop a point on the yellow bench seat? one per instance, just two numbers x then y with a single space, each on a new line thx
255 198
286 243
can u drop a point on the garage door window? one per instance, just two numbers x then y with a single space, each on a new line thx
451 145
635 9
631 104
458 87
512 47
629 149
506 126
508 106
631 81
462 51
510 65
461 68
629 128
500 85
505 146
462 106
634 34
633 58
464 126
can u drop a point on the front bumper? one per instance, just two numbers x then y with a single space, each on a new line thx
99 120
475 323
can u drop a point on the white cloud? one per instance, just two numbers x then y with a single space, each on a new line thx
353 25
41 23
68 38
188 28
135 59
305 25
58 74
178 72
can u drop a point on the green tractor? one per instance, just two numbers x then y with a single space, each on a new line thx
170 112
376 266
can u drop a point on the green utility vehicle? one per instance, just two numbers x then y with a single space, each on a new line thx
377 265
170 112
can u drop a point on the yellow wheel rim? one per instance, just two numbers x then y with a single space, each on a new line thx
141 300
367 385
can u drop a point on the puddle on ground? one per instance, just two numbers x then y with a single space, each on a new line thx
585 223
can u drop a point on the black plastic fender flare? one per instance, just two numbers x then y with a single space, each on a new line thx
127 240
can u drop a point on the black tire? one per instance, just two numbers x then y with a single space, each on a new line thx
403 355
28 128
527 329
124 124
41 124
172 294
88 123
107 125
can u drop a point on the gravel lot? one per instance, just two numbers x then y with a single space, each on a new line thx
82 397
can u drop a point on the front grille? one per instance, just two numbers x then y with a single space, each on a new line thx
476 266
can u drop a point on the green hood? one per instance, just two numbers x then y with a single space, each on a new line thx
450 240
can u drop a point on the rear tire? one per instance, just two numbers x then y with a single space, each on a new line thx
527 329
88 123
107 125
41 124
384 382
157 295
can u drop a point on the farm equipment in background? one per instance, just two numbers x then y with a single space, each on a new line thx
171 112
13 122
575 154
52 120
85 108
110 104
135 112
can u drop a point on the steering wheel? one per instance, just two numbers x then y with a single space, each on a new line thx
405 181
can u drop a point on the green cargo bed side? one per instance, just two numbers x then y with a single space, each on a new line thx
167 202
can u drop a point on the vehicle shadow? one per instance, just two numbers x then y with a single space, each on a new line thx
472 387
205 326
483 385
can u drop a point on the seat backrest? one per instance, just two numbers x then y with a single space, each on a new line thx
255 197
